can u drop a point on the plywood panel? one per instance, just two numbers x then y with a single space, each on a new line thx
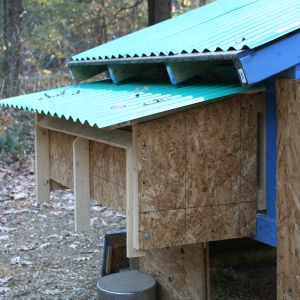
61 171
61 158
247 218
179 271
288 190
249 119
162 229
213 150
108 175
161 151
212 223
61 145
203 163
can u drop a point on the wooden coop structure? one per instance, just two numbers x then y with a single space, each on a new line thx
194 137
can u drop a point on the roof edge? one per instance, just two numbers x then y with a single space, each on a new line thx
221 55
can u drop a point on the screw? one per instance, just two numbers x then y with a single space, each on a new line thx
145 157
146 235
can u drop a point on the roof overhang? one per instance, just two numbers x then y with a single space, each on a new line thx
106 105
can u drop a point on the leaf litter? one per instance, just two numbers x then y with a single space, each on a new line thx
41 255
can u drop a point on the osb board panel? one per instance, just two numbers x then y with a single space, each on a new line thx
61 158
249 120
213 154
203 163
61 171
61 145
288 189
108 175
212 223
162 228
161 148
180 272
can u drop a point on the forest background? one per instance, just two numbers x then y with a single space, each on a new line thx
39 37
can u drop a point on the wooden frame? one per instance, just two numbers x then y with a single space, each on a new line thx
117 138
42 163
81 184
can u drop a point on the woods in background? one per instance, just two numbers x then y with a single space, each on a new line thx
37 37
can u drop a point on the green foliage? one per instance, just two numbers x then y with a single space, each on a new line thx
16 134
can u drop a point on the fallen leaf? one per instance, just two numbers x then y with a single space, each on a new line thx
17 260
4 290
73 246
82 258
6 229
5 279
4 238
52 292
42 246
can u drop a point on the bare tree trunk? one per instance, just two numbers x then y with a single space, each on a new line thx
158 10
12 16
203 2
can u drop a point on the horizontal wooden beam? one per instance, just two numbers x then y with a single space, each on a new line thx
118 138
258 65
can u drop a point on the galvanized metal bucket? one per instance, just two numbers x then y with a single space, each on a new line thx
129 285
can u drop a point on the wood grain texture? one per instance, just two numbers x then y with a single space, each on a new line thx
288 190
108 175
162 229
211 223
61 158
203 164
179 271
249 119
161 151
42 163
213 150
81 184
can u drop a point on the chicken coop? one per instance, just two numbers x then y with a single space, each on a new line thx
194 136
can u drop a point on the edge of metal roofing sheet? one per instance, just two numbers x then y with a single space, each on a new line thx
103 104
223 25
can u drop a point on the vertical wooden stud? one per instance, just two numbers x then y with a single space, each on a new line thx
132 210
42 163
81 184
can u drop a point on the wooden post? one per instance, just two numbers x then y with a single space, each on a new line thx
132 199
42 163
288 189
81 184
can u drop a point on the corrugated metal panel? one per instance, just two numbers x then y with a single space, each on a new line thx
104 104
222 25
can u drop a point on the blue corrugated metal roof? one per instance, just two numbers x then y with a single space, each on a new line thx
220 26
104 104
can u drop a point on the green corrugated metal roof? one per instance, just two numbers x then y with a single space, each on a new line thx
104 104
220 26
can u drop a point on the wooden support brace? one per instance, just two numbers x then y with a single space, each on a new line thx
181 71
42 163
117 138
119 73
80 73
81 184
132 200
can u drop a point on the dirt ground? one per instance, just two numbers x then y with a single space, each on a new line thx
41 256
